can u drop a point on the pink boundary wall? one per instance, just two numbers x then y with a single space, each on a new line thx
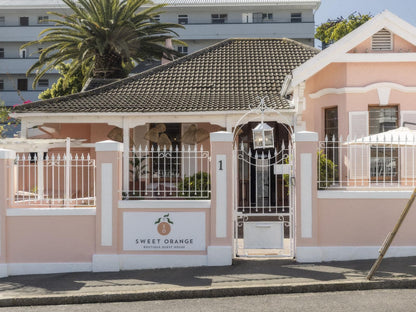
345 225
51 240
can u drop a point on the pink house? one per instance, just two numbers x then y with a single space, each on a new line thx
187 185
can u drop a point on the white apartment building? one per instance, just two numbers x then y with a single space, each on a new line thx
205 21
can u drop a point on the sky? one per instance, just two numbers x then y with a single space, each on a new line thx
329 9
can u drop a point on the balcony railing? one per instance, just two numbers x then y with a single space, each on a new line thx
168 173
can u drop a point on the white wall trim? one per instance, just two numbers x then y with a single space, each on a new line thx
3 270
138 262
221 136
108 146
306 197
219 255
47 268
29 212
105 263
347 253
106 204
364 89
164 204
352 194
376 57
7 154
306 136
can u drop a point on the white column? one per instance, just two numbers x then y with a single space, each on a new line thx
40 182
67 169
126 149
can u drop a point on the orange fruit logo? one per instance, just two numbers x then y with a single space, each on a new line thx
163 228
164 223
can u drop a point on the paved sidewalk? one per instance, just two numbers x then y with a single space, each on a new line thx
245 277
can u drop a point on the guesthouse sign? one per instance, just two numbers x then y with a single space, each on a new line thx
173 231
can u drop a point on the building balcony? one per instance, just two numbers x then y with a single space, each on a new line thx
21 33
11 97
246 30
18 65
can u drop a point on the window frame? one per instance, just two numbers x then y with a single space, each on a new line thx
24 18
183 19
296 17
21 80
218 18
43 83
388 155
183 49
43 19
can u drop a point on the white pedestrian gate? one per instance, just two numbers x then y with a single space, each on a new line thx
264 202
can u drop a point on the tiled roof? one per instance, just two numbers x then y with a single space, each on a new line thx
228 76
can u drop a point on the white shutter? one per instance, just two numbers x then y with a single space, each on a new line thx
382 40
358 124
358 155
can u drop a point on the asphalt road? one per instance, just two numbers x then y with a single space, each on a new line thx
352 301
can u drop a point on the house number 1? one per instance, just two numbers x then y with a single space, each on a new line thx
220 165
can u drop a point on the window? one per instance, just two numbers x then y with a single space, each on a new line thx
219 18
22 53
183 19
183 50
2 20
24 21
382 119
1 52
296 17
331 123
43 83
22 84
1 84
382 40
43 19
262 17
384 159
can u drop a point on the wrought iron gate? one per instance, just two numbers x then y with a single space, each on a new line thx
264 202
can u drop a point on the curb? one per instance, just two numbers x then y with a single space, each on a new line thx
194 293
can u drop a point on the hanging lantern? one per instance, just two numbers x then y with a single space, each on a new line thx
263 136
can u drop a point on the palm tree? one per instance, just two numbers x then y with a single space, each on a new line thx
103 38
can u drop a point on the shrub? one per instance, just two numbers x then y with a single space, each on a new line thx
196 186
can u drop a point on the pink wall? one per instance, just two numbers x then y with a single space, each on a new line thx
341 75
363 222
50 239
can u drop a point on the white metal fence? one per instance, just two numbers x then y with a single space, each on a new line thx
264 180
374 164
167 173
54 180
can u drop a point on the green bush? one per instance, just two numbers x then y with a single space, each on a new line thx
327 170
196 186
